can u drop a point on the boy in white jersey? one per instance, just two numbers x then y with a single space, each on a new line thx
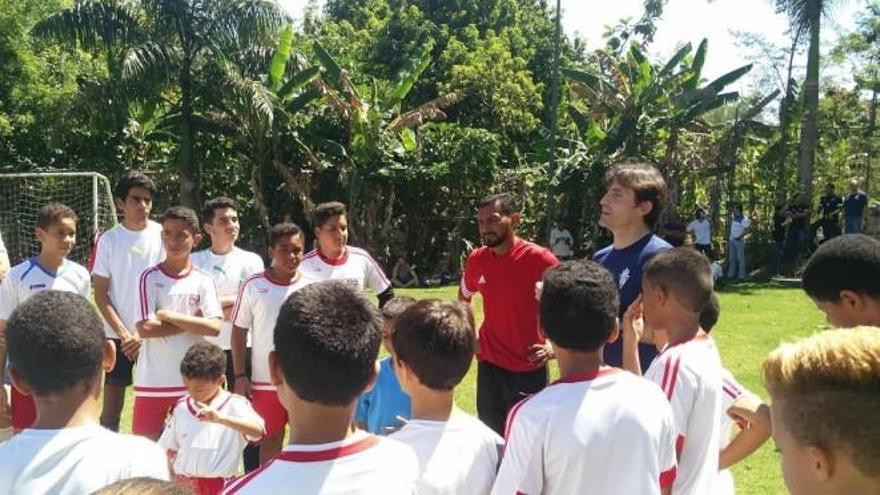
335 260
50 270
597 429
229 266
676 286
4 259
256 309
824 393
121 255
739 406
179 307
58 355
433 346
326 341
209 427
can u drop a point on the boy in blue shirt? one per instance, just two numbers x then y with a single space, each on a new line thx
381 409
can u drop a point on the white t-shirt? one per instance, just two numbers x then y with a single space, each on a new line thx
158 365
701 230
456 456
355 266
363 464
29 277
609 432
76 461
256 308
2 246
121 255
737 227
228 271
558 244
205 449
731 391
690 375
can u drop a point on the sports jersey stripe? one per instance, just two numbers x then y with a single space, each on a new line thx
667 478
731 392
376 267
511 415
241 290
237 484
673 379
329 454
665 375
679 445
143 289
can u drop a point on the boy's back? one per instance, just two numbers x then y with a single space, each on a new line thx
455 456
76 460
608 432
690 375
361 464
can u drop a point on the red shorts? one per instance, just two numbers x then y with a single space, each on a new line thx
24 411
150 414
266 404
202 486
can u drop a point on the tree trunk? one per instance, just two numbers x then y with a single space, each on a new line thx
190 176
872 125
785 109
810 129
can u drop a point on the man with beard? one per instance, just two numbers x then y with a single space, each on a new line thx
511 352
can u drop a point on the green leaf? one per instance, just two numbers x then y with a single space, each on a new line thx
301 78
675 60
302 100
334 72
697 66
580 76
729 78
409 78
408 138
278 64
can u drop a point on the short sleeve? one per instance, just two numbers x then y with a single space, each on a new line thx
168 440
244 410
242 312
86 285
209 303
375 277
746 222
668 458
545 260
101 262
522 467
731 391
8 296
148 296
255 265
2 246
469 286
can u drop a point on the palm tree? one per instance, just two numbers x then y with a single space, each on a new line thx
176 41
805 16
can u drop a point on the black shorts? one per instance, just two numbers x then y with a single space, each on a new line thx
499 389
121 374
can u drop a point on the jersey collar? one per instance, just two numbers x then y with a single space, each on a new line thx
328 452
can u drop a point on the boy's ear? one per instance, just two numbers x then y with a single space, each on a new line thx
615 332
120 204
276 376
17 383
197 239
108 359
821 464
852 300
645 207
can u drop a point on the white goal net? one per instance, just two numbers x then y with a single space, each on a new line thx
22 195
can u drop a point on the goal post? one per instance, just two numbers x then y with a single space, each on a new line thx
23 194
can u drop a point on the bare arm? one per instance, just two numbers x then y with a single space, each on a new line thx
151 329
105 306
633 330
4 266
238 343
194 324
250 429
748 409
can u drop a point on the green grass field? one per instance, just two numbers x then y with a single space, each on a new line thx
754 320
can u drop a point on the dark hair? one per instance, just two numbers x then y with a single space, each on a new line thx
436 339
130 180
203 360
326 211
184 214
55 341
280 230
395 306
579 305
208 209
646 182
54 212
327 338
710 314
737 206
504 202
146 486
847 262
683 272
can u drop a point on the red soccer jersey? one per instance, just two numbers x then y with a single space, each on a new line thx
507 284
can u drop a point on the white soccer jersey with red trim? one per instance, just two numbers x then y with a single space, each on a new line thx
607 432
355 266
689 373
158 365
363 464
228 271
731 391
455 456
204 449
256 308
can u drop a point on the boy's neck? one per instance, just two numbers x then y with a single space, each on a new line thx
68 409
50 261
177 266
431 405
221 248
283 276
134 225
314 424
578 362
331 253
628 235
682 328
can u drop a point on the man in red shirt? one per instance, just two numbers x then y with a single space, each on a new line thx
512 353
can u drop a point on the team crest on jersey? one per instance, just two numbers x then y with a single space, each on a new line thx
37 286
624 278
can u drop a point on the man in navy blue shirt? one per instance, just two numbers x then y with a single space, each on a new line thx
631 207
854 207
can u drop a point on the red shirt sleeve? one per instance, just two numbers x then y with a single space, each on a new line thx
469 278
